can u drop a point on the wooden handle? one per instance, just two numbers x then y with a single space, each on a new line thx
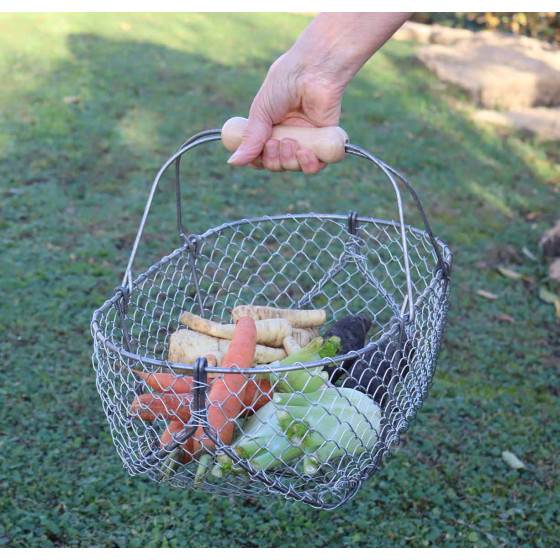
326 142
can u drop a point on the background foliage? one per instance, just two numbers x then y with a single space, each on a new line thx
540 25
92 105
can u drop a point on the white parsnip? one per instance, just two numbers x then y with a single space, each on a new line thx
270 332
185 346
303 336
297 317
263 354
214 359
291 346
313 332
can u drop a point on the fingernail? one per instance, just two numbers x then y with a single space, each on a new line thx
234 157
285 149
302 157
272 149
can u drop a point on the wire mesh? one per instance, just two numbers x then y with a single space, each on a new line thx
312 446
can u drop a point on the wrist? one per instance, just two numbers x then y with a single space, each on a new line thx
337 45
322 65
322 59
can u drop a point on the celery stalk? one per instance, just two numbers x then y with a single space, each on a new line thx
217 471
310 465
267 460
302 379
338 422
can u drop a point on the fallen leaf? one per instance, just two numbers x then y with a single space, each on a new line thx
550 241
529 254
71 99
508 273
550 297
487 295
547 296
505 317
512 460
554 270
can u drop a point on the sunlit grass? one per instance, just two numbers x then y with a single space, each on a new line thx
92 105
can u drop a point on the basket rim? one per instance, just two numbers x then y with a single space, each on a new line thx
98 336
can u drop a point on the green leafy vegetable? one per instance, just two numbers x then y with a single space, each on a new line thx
305 380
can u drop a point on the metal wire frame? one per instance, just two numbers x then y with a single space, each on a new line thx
191 247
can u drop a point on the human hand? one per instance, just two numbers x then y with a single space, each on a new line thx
304 87
290 95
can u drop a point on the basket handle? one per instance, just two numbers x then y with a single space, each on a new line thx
335 140
327 142
331 144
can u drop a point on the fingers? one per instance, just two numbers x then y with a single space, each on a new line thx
256 164
271 155
309 162
287 155
256 134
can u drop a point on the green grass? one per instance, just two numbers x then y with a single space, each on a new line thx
74 179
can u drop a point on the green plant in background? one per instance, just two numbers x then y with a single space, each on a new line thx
92 105
540 25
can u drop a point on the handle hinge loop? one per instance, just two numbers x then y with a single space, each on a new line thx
352 222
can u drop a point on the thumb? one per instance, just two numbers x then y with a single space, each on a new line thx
256 134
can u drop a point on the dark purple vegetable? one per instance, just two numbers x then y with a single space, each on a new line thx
352 331
378 371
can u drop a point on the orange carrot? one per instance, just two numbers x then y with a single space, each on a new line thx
172 407
257 393
164 382
226 395
177 407
167 436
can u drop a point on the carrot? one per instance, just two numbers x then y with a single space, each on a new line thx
257 393
182 454
176 407
170 406
168 382
174 427
227 392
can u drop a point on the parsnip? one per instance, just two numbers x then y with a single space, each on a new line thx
291 346
297 317
214 359
313 332
304 336
270 332
263 354
186 345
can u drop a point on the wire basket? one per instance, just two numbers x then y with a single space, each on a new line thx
395 274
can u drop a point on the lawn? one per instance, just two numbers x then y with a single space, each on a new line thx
92 105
